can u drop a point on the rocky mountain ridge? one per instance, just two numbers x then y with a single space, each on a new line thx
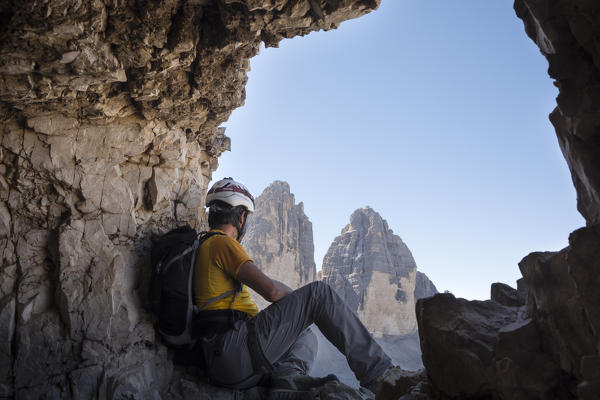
279 238
423 286
375 273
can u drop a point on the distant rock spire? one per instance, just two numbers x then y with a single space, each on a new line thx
375 273
279 238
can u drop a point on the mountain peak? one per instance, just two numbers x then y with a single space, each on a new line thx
374 272
279 238
366 218
277 185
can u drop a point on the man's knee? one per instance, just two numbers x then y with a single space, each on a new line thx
320 290
319 287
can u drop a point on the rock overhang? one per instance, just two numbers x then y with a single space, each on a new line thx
180 62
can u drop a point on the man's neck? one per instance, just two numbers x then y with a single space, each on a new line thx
229 230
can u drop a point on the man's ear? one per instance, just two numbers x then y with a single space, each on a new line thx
243 217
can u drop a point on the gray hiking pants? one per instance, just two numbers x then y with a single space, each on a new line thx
279 340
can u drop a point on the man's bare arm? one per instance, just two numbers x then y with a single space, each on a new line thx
272 290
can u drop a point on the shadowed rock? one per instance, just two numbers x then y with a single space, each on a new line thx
505 295
546 349
480 349
564 300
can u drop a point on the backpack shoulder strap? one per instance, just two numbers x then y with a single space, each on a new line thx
202 238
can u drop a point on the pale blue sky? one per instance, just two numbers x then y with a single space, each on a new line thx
434 113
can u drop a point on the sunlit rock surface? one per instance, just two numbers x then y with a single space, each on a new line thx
423 286
109 133
280 239
375 273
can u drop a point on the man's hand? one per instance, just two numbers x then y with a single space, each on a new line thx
272 290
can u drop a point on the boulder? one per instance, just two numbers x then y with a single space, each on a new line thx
563 299
457 341
405 385
506 295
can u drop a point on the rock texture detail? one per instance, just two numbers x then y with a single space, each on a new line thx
375 273
109 132
279 238
567 35
423 286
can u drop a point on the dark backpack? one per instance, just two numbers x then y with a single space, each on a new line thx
173 261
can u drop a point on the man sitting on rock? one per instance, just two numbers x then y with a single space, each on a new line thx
243 347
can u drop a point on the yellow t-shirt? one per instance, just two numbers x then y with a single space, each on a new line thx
219 260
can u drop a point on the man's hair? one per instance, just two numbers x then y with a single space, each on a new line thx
221 213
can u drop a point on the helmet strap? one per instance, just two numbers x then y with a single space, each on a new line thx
241 228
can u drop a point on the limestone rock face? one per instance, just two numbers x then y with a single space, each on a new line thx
401 384
279 238
423 286
109 133
375 273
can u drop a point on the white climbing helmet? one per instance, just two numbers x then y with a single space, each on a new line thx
231 192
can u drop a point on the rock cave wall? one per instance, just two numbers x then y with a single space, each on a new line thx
109 132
